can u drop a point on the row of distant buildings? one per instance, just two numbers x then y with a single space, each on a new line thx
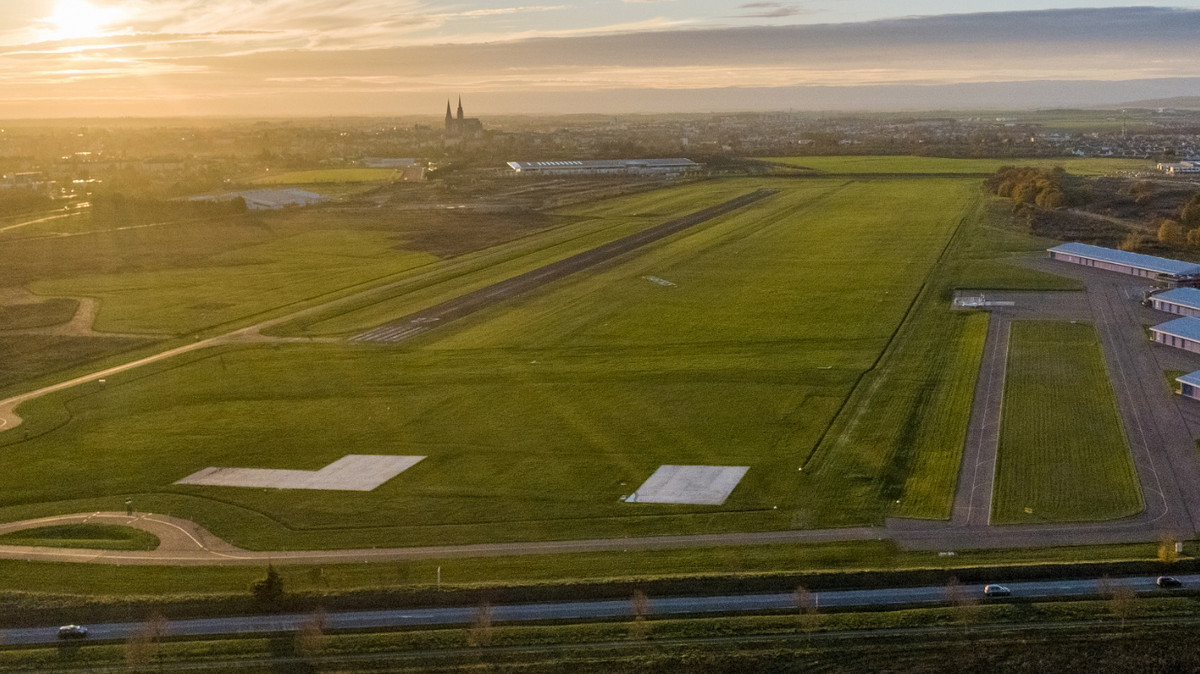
1181 298
1180 167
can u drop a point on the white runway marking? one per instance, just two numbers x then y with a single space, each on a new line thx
693 485
355 472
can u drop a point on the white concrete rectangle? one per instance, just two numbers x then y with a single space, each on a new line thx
355 472
692 485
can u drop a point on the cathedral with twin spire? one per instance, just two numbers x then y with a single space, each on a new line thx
460 127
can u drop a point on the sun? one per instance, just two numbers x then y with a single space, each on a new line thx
74 19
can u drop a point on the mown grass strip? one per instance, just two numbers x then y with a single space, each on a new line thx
1063 455
91 536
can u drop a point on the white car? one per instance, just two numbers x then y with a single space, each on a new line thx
72 632
996 591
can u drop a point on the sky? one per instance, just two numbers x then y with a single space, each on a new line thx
255 58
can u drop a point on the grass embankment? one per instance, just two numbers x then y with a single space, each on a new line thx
92 536
1063 455
883 165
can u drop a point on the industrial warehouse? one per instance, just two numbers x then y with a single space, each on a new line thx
659 167
1170 272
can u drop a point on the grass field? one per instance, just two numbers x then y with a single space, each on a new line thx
93 536
1063 456
37 315
907 165
538 416
328 176
810 329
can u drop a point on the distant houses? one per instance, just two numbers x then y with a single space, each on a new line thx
268 200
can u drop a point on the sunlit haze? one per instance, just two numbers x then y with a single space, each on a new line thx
321 57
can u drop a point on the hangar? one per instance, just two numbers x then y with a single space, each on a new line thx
1181 333
1189 385
1179 301
1172 272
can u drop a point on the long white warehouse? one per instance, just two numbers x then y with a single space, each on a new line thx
1178 301
1181 333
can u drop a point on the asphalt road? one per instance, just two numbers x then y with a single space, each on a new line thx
592 610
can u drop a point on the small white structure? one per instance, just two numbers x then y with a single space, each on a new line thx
691 485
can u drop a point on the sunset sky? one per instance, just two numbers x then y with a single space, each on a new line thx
318 57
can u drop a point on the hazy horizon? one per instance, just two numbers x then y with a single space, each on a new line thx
273 58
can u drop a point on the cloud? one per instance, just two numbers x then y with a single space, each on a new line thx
379 50
770 10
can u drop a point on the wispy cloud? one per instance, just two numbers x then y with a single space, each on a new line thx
376 50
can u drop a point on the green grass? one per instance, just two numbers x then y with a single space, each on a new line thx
1062 454
356 175
536 417
585 227
28 356
93 536
907 164
54 311
1171 376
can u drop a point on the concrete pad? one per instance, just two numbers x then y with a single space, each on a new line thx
692 485
355 472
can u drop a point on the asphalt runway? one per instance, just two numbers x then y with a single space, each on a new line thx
422 321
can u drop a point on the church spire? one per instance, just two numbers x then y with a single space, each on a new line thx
448 115
460 111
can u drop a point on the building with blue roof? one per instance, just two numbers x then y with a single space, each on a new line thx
1181 333
1172 272
1189 385
1178 301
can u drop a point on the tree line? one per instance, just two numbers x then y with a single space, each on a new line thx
1031 186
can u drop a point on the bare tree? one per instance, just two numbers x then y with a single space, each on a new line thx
311 638
640 605
1123 603
142 645
966 608
480 632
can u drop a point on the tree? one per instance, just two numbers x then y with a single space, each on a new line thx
1190 215
1166 550
1123 602
1171 233
311 638
269 590
639 604
966 608
142 645
1193 238
1132 242
480 632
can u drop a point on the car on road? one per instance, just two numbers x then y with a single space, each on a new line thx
1168 582
72 632
996 591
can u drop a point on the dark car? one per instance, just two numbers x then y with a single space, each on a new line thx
1167 582
72 632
